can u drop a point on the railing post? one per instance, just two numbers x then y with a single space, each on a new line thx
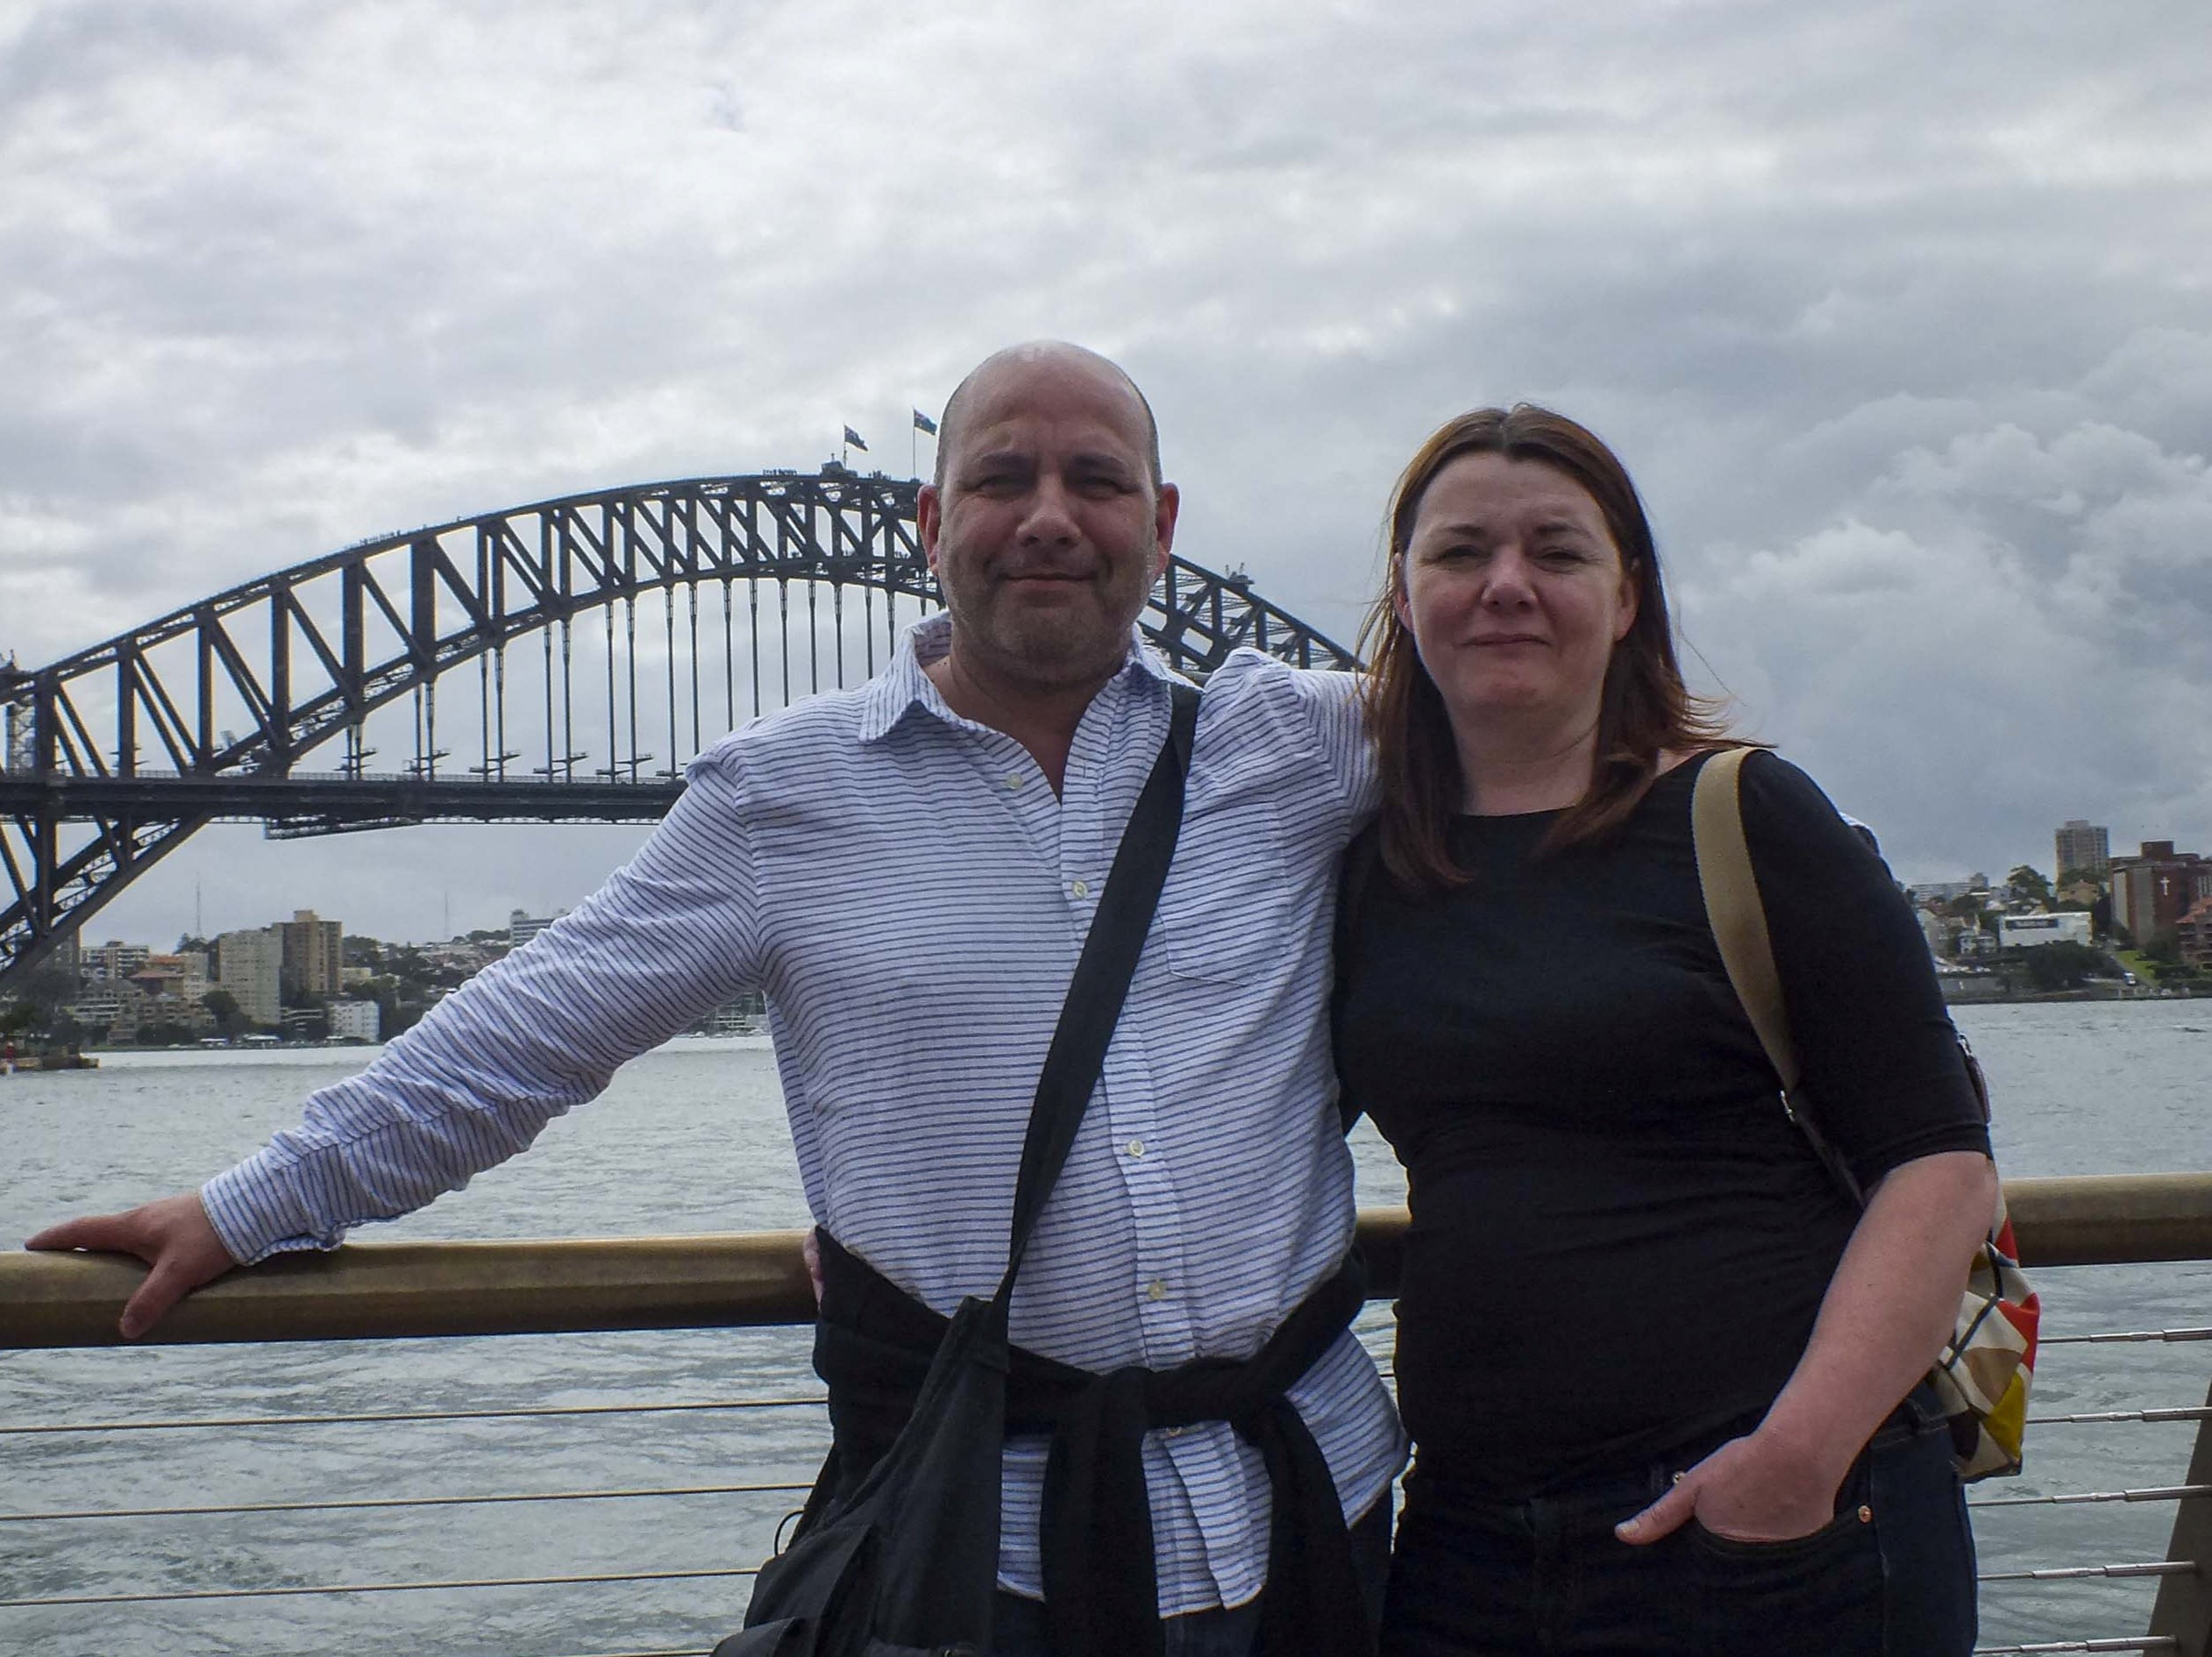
2184 1608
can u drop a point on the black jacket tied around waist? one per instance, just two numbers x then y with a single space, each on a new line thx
873 1344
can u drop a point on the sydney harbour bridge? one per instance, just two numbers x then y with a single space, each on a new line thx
552 662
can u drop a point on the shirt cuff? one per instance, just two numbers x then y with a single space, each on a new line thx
257 1211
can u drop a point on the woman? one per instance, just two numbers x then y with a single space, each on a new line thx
1660 1371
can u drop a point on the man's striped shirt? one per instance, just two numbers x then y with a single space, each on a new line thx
912 897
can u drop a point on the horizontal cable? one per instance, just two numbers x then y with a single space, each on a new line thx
2139 1642
368 1588
404 1501
2124 1334
2195 1412
2159 1493
2070 1573
531 1411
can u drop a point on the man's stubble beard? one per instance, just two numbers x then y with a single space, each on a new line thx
1087 643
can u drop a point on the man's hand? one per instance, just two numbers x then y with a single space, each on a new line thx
1751 1490
810 1251
171 1236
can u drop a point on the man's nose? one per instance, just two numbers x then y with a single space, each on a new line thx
1050 515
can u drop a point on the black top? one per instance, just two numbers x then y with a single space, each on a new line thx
1619 1240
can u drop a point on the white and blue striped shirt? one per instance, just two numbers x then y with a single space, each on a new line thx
912 897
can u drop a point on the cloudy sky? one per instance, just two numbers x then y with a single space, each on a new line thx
1902 314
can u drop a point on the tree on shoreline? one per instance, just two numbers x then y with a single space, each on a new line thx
223 1007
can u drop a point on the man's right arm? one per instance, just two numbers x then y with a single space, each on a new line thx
672 935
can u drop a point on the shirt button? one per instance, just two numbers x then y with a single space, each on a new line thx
1157 1290
1135 1147
1081 888
1016 781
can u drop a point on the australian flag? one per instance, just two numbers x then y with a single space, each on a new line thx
922 422
853 438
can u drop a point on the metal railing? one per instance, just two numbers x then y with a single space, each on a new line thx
409 1289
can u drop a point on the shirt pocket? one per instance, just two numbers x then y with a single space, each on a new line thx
1232 896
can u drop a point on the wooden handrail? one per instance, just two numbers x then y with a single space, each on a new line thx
385 1290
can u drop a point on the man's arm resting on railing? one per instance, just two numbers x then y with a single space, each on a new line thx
171 1234
671 935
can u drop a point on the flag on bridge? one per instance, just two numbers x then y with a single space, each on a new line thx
853 438
923 423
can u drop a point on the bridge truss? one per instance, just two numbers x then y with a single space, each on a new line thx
529 666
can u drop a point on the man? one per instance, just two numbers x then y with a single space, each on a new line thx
908 871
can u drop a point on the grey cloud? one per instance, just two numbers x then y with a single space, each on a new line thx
1895 310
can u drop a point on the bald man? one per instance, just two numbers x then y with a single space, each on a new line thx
909 871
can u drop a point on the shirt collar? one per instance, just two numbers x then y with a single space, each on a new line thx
903 687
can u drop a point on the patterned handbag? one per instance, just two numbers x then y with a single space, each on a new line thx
1983 1375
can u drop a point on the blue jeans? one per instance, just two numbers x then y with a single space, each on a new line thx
1018 1623
1891 1575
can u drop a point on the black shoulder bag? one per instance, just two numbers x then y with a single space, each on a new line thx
908 1564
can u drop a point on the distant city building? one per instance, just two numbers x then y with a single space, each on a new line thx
2083 890
1943 891
184 976
2153 890
313 954
249 968
112 962
355 1020
747 1015
121 1009
101 1005
2026 931
522 927
2194 930
2083 847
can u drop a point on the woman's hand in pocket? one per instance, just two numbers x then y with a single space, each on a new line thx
1751 1490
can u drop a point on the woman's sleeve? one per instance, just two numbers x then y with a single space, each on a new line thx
1882 1063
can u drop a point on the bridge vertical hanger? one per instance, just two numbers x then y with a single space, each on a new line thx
354 674
126 714
280 722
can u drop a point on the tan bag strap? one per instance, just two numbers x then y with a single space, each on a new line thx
1733 908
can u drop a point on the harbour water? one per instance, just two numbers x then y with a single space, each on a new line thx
691 1138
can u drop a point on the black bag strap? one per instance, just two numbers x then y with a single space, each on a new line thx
1362 857
1101 981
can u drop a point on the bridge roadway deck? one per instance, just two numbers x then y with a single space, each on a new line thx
336 799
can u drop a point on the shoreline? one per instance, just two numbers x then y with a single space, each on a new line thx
1976 991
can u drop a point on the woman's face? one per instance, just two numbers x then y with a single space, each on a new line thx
1514 592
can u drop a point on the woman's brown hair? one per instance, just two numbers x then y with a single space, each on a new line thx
1645 708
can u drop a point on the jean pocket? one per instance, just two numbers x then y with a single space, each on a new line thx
1789 1548
1758 1598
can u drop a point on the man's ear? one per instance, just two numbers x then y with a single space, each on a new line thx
1164 516
928 518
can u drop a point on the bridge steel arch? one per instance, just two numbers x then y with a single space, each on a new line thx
114 756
